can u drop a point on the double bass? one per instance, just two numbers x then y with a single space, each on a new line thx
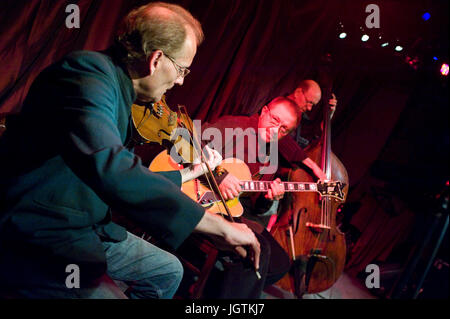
307 229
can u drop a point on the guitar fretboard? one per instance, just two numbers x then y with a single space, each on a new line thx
263 186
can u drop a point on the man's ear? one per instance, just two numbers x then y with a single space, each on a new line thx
298 91
264 109
154 60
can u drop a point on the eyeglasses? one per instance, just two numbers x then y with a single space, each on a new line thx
283 129
182 71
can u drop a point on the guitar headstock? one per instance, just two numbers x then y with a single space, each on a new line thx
331 189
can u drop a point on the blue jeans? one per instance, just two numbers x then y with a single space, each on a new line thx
149 271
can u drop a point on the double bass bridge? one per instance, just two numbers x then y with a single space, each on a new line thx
317 228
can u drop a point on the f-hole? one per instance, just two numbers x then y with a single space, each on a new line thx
296 218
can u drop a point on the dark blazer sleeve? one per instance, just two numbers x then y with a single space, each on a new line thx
85 107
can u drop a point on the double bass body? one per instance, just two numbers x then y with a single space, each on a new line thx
307 230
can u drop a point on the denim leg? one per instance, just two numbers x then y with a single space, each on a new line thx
21 278
150 271
104 288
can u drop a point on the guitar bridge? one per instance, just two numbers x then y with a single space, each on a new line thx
207 199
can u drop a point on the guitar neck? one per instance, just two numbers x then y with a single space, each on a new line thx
264 186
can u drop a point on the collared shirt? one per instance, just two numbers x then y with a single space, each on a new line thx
239 139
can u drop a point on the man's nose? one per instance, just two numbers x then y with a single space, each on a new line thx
278 129
179 80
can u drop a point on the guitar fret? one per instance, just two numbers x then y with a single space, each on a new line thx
261 186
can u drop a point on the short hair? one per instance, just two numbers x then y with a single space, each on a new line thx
154 26
307 84
291 105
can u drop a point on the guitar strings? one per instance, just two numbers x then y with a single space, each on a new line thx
195 144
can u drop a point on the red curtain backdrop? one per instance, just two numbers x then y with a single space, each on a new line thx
384 222
254 51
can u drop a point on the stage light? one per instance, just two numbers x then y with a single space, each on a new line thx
385 44
414 62
426 16
444 69
341 31
398 48
364 38
435 58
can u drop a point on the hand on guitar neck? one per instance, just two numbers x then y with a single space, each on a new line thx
231 188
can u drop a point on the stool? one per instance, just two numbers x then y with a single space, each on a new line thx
198 255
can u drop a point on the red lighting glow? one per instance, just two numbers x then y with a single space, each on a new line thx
444 69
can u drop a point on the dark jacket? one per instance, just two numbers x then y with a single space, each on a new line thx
63 163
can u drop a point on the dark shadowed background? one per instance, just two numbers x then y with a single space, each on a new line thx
390 130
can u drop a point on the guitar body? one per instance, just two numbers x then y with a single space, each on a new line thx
200 192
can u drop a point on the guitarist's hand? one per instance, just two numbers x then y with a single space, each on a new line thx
230 187
213 158
197 169
276 191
